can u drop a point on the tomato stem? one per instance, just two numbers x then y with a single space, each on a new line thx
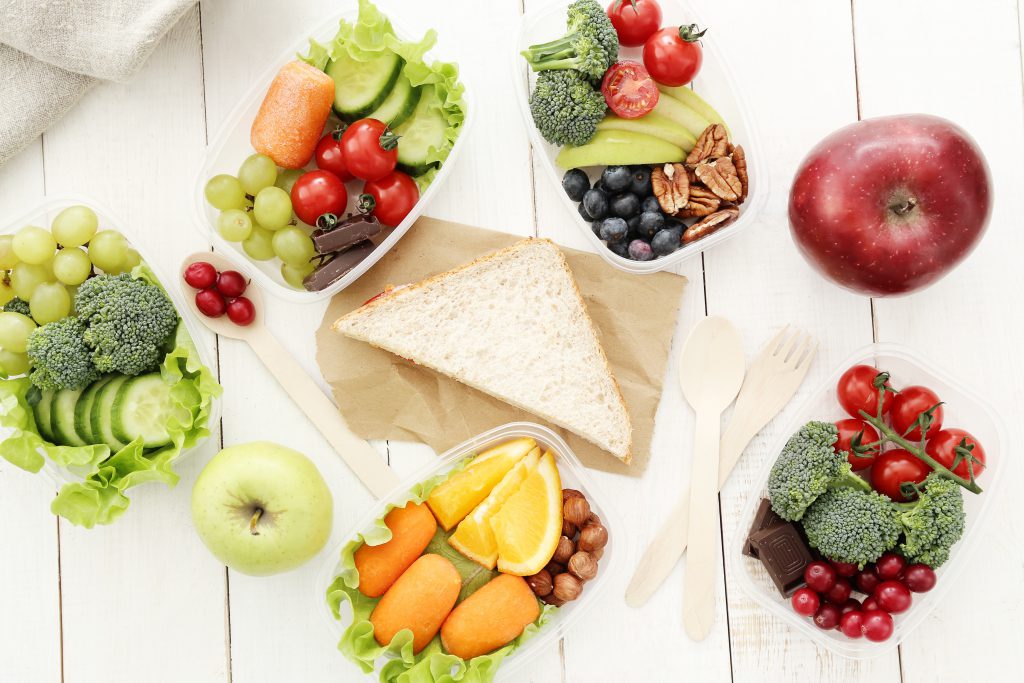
691 33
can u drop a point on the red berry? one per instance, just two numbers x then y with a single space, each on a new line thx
231 283
840 592
846 569
919 578
827 617
851 605
869 604
893 597
877 625
867 581
200 275
852 624
210 303
241 311
889 566
820 576
805 601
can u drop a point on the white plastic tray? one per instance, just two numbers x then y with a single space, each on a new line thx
230 147
964 409
715 83
573 475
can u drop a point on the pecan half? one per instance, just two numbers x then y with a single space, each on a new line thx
720 177
712 143
710 224
703 202
739 160
671 187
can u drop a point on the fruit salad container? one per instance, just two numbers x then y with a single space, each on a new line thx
966 409
231 146
714 82
572 474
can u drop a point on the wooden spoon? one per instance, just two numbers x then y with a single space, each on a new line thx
321 411
711 369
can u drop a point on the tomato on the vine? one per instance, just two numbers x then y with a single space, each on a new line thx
894 468
673 55
330 156
316 193
949 445
394 195
910 403
629 90
370 149
859 440
859 387
634 20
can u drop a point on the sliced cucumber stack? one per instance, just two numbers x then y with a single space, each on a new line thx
83 411
423 130
399 104
361 87
142 408
62 418
102 405
43 415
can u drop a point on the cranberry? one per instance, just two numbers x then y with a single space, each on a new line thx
867 581
827 617
805 602
210 303
851 605
919 578
820 576
231 284
846 569
870 604
889 566
200 275
877 625
893 597
241 311
840 592
852 624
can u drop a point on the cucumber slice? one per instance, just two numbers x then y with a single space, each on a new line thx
43 415
100 411
424 129
399 103
62 418
361 87
83 411
142 408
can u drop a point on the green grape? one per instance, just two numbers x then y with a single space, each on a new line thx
74 226
294 275
71 266
259 246
286 178
25 277
13 364
273 208
32 244
14 331
224 192
6 289
50 302
234 225
108 251
257 172
293 246
7 256
132 258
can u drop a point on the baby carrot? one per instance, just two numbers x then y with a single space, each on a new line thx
419 600
379 566
293 114
493 616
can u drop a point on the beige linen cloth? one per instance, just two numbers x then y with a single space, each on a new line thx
53 51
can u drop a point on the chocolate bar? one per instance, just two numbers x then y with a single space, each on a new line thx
337 267
347 233
764 518
784 554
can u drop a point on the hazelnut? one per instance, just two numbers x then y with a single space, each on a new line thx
593 537
583 566
550 599
564 550
540 583
571 493
567 587
576 510
568 528
597 554
554 568
592 519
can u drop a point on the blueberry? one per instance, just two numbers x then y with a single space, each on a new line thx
616 178
596 227
640 181
640 251
650 204
583 213
625 205
619 249
575 183
614 229
650 223
595 203
634 226
667 240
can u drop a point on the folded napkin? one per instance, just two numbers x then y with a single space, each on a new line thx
53 51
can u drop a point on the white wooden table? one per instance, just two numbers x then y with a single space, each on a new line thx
143 600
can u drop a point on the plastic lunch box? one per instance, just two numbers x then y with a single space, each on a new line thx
573 475
42 216
231 147
964 409
715 82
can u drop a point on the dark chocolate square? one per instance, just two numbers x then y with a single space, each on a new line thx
764 518
784 555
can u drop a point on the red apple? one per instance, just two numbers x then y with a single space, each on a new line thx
890 205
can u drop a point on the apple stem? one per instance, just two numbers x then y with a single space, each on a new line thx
903 207
254 521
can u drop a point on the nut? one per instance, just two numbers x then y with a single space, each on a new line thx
720 177
592 519
550 599
703 202
710 224
564 550
712 143
571 493
568 528
671 187
739 160
597 554
554 568
576 510
583 566
593 537
541 583
567 587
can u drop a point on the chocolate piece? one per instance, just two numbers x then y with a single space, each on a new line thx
764 518
337 267
784 554
345 234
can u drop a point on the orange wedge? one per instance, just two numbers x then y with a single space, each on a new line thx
474 537
528 525
455 498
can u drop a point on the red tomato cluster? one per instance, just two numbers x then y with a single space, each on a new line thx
672 54
220 292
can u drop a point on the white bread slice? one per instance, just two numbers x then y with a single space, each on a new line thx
514 325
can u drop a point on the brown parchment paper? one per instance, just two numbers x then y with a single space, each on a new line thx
383 396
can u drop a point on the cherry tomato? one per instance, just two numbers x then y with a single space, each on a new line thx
394 195
673 55
330 156
629 90
231 283
846 569
894 468
877 625
805 601
370 149
889 566
852 624
820 576
316 193
906 408
867 581
210 303
634 20
947 445
859 440
920 578
827 617
858 390
893 597
200 275
839 593
851 605
241 311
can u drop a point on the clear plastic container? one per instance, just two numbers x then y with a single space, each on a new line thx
42 216
573 475
230 147
964 409
715 83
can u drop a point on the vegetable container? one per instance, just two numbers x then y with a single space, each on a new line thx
714 82
230 147
43 216
573 475
964 408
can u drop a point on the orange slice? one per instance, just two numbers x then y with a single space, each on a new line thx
455 498
528 525
474 537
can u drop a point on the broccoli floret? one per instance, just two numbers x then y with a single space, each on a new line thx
851 525
128 322
60 357
806 468
17 305
566 108
934 522
589 46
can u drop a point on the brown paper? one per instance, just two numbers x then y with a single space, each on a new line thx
383 396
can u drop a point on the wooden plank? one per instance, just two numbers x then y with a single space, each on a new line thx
968 321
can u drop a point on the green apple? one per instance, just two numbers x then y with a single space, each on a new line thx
262 508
